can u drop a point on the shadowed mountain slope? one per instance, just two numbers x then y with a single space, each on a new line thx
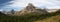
2 14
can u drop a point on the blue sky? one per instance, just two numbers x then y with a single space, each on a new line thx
4 2
20 4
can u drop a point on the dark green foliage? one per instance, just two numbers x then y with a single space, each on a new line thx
2 14
59 20
27 17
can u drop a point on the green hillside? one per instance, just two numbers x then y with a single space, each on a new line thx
33 17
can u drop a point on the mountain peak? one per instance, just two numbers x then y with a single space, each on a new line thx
30 4
30 9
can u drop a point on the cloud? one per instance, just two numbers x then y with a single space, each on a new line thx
8 2
20 3
4 1
38 3
54 7
50 4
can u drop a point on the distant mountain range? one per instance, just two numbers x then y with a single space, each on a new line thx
30 9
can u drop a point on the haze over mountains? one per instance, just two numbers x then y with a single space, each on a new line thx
30 8
51 4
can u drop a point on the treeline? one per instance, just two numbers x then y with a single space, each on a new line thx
2 14
30 17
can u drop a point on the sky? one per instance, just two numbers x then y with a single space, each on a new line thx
20 4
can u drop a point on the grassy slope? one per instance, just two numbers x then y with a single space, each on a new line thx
50 19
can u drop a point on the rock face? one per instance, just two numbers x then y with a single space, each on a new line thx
30 8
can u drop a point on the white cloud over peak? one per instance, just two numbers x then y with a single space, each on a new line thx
23 3
50 4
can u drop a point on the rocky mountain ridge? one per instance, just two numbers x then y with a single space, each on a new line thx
30 9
